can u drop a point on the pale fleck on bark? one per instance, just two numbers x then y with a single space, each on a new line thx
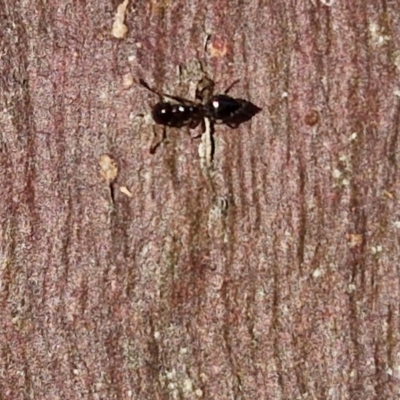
119 29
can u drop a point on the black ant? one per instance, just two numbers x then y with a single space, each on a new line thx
219 109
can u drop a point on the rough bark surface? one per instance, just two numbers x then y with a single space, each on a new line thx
291 292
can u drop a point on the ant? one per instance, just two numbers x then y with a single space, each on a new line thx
219 108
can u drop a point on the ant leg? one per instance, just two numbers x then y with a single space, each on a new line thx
204 89
231 86
155 146
195 123
196 136
161 94
203 128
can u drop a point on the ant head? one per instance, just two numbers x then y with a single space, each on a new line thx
162 113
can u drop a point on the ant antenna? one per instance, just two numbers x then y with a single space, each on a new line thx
231 86
161 94
144 84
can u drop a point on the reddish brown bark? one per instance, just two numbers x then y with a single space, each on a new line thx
291 292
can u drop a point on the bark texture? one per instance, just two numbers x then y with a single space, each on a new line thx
275 276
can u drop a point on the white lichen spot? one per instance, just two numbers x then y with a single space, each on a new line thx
396 59
171 375
397 224
336 173
148 119
345 182
198 393
351 288
203 377
317 273
376 249
188 386
353 137
108 168
127 80
378 39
